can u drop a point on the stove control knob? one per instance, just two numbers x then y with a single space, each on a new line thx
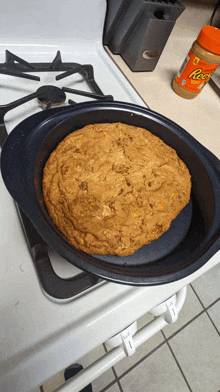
124 338
171 315
128 342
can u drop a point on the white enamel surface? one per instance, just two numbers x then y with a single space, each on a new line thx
52 22
40 336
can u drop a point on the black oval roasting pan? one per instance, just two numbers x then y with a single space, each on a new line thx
194 236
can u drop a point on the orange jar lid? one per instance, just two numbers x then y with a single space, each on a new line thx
209 38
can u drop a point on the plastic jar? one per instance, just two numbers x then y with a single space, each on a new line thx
200 64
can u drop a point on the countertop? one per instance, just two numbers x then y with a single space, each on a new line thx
199 116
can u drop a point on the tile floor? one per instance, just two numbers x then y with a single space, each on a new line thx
184 357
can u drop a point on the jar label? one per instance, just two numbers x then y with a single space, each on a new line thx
183 66
195 73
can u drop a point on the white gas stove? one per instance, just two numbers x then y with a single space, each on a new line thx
36 328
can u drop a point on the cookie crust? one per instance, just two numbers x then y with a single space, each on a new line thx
112 188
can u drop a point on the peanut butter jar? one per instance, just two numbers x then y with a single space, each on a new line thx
200 64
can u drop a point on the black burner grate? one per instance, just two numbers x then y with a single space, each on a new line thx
49 95
17 67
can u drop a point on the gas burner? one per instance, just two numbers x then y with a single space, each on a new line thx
50 96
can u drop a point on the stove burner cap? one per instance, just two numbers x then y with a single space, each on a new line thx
49 96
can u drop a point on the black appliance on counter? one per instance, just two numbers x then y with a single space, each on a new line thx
139 29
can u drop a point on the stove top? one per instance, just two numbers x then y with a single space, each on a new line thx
37 326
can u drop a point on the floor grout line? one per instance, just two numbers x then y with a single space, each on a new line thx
204 307
213 303
119 386
140 360
177 362
213 324
207 308
185 325
109 386
116 377
201 303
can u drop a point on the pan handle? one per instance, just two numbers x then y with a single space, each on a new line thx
51 283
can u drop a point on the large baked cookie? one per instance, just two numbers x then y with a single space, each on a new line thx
111 188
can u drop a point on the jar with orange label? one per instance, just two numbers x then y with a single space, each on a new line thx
200 64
